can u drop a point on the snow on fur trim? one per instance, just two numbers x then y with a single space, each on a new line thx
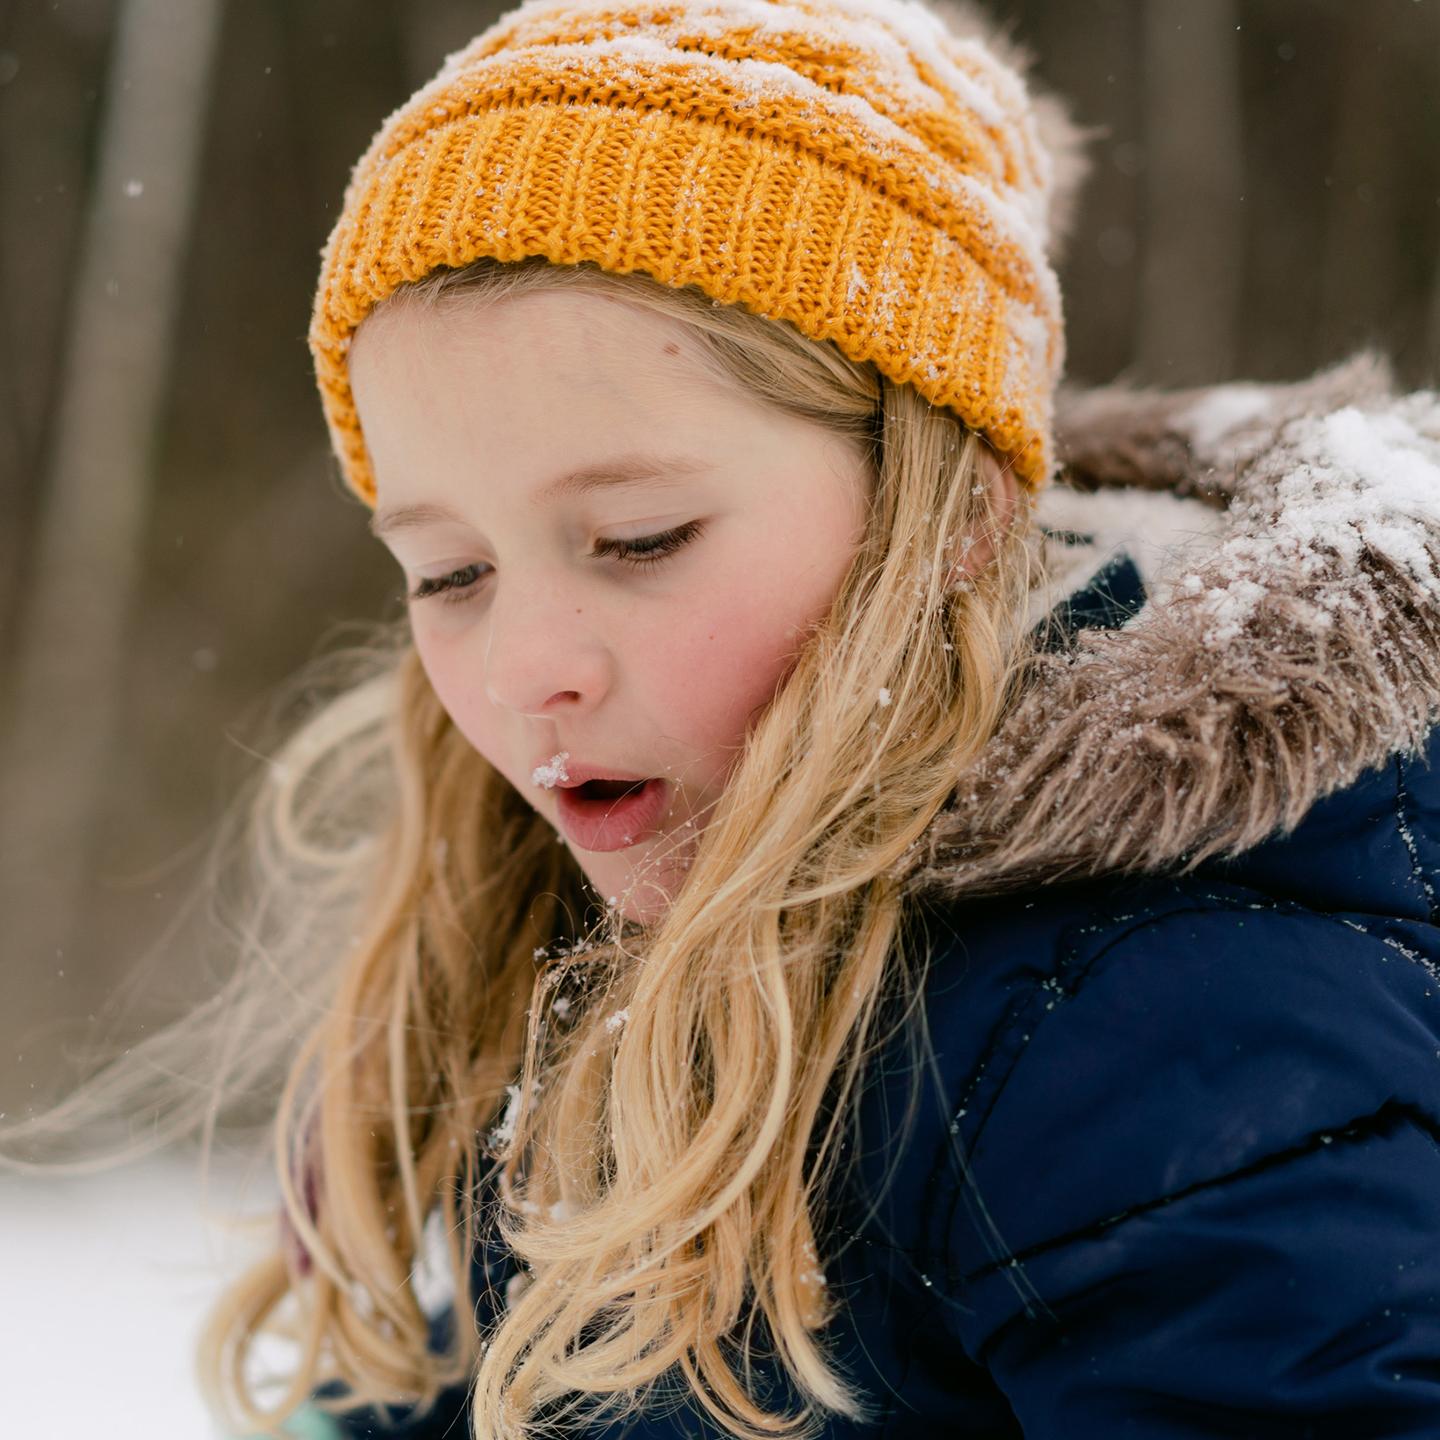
1298 649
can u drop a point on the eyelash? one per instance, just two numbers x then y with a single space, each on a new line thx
665 544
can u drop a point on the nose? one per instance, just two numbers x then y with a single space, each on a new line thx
539 653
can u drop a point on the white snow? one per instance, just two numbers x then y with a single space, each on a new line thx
888 33
1342 483
106 1281
1353 481
552 772
432 1281
1397 475
1160 532
1221 410
504 1132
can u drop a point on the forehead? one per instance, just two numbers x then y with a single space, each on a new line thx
579 334
553 379
559 393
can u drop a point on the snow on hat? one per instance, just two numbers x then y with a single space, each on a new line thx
853 167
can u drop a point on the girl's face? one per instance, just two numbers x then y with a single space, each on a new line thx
517 448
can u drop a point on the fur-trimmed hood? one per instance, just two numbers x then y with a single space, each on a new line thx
1288 537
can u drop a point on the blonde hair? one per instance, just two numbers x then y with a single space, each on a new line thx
670 1129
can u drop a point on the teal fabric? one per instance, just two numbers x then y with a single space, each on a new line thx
310 1424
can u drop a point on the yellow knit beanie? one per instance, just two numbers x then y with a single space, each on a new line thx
854 167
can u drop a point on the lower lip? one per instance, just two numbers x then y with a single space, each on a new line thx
612 824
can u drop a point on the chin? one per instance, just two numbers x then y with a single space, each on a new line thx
646 902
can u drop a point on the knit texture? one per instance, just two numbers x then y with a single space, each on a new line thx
851 167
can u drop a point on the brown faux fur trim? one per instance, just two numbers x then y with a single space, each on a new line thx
1301 648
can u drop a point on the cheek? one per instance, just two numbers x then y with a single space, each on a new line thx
733 653
460 688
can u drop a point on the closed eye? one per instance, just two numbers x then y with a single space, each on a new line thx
642 553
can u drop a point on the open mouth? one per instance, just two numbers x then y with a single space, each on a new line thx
610 814
607 789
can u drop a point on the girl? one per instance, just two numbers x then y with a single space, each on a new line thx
860 902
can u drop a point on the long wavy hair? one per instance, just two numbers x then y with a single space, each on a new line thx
462 1044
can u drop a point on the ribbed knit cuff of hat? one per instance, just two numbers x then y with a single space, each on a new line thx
849 166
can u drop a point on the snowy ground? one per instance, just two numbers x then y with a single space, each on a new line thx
103 1282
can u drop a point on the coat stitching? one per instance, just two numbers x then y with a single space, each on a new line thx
1021 1007
1295 907
1216 903
1382 1123
1414 956
954 1152
1070 987
1014 1013
1407 834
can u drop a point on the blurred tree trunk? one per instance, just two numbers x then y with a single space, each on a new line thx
1091 56
1430 373
1193 255
1432 358
69 671
48 72
1357 260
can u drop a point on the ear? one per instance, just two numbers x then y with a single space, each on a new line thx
1064 139
977 549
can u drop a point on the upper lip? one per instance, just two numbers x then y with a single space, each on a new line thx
579 772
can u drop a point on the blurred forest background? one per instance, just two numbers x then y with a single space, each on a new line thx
174 540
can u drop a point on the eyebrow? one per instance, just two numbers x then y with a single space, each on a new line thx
633 469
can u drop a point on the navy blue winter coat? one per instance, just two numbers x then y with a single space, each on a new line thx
1175 1169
